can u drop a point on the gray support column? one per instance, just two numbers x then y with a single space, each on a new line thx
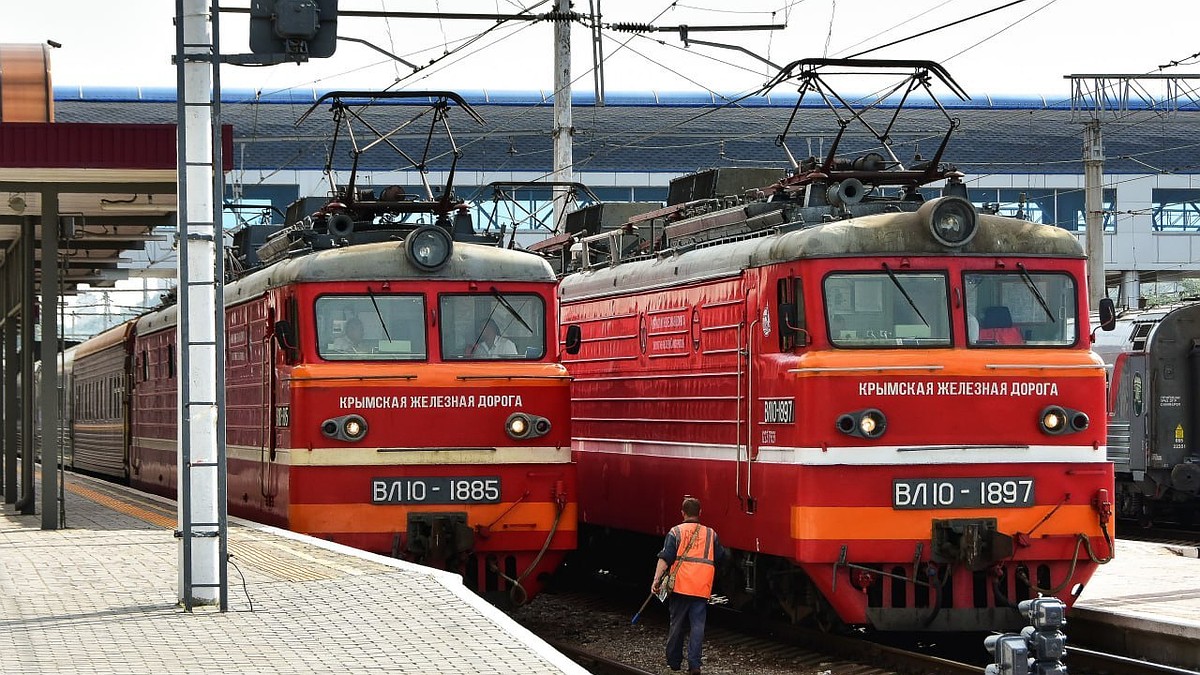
49 384
563 132
5 329
1093 200
201 336
25 505
1131 289
12 413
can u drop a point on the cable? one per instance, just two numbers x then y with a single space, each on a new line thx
1002 30
245 586
893 27
934 30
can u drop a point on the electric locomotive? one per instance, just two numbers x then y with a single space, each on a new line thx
885 401
1154 367
392 383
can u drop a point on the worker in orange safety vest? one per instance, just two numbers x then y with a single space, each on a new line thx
688 561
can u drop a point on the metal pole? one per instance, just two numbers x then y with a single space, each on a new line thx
597 52
5 364
1093 200
49 383
198 338
12 326
563 132
25 505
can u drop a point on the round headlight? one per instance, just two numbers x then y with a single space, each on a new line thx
354 427
951 220
517 425
872 424
1054 420
428 247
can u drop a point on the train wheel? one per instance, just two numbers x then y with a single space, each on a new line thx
1129 505
824 618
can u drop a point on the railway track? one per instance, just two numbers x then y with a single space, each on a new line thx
594 629
1175 536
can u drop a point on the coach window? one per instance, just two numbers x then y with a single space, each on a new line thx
1020 308
887 309
371 327
493 326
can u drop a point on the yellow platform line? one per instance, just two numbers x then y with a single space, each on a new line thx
152 517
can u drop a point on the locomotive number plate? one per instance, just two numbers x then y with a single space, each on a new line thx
962 493
436 490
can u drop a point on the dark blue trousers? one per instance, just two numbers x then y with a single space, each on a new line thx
691 610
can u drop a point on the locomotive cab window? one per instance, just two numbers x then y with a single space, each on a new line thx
374 328
1020 308
493 326
887 309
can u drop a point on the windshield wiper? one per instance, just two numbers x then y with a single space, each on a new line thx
379 314
510 309
903 292
1036 293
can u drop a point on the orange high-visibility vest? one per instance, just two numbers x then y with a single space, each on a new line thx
694 564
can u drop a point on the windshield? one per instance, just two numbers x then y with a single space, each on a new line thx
371 327
493 326
1020 308
887 309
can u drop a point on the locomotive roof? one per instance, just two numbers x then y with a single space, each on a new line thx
112 336
889 234
1126 337
382 261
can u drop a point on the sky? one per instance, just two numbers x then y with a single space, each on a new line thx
1021 50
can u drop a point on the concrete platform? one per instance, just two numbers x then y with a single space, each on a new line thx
1146 601
100 597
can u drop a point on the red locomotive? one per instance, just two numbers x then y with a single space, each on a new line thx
387 387
886 402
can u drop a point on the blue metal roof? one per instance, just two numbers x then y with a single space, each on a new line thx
666 132
679 99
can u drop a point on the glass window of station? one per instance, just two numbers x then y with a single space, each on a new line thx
1019 308
492 326
1061 207
1176 209
882 309
371 327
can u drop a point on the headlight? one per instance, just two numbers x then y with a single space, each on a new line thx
1054 420
428 247
517 425
951 220
522 425
345 428
869 423
354 427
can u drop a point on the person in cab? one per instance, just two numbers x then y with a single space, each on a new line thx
351 340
